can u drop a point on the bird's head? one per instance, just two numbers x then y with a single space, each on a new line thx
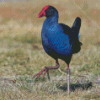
47 11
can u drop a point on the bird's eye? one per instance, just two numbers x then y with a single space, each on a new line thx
47 9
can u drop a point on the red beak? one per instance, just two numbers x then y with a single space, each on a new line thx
42 12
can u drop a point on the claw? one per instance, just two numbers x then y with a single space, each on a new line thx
45 70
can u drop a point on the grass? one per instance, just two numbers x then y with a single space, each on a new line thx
22 54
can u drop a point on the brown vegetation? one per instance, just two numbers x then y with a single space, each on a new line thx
22 55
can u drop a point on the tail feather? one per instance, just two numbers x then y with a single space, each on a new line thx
76 28
76 25
79 35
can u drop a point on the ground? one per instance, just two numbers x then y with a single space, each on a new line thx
22 54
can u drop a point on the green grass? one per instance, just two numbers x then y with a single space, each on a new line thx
4 20
28 38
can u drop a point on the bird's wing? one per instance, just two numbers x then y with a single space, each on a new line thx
73 32
67 30
58 40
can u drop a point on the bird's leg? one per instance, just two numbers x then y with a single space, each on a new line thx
68 79
46 70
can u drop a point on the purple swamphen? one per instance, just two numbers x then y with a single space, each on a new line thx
59 40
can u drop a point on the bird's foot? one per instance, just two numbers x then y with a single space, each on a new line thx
45 70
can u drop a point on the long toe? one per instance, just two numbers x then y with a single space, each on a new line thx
38 74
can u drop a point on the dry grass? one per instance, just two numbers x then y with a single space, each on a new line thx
22 55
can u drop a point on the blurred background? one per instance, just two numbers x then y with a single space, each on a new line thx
22 54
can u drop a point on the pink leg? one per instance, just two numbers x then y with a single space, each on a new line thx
46 70
68 79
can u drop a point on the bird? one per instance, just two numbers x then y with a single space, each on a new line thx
59 40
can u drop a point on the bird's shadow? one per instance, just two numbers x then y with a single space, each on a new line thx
73 87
